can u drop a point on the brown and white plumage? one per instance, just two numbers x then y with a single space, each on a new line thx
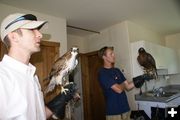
61 68
147 61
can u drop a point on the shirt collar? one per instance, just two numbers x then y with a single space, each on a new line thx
19 66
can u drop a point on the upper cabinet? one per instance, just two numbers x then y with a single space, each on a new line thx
166 58
172 61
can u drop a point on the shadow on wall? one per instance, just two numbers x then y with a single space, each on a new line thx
46 37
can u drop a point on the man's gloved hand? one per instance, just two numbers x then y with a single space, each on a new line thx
139 80
57 105
148 77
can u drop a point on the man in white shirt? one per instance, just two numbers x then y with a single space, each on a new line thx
20 91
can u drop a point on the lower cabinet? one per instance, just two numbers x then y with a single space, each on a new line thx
157 109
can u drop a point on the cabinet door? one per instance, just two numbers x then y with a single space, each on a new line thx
166 58
159 54
172 61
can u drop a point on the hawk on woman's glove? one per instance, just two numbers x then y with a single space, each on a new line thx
61 68
148 63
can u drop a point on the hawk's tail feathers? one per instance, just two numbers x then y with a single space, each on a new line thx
50 87
156 74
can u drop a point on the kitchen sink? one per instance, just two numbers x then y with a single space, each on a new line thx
163 94
168 94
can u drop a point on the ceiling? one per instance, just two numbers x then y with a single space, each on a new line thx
162 16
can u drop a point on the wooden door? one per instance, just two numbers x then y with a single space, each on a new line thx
93 99
3 50
43 61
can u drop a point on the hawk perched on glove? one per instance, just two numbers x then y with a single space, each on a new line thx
147 61
61 68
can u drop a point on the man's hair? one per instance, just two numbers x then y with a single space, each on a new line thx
7 40
102 51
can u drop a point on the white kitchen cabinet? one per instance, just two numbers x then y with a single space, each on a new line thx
146 105
158 52
166 58
172 61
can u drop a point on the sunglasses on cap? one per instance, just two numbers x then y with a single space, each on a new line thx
25 17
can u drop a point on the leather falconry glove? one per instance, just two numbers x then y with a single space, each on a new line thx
139 80
58 104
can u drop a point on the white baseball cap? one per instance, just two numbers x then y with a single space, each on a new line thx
18 20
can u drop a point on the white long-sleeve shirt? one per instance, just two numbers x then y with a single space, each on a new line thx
20 92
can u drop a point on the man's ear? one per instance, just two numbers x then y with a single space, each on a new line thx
13 36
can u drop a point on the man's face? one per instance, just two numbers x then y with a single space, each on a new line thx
30 40
109 56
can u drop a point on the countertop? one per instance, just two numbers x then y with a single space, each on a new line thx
148 96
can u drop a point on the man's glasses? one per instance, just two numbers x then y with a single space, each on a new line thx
25 17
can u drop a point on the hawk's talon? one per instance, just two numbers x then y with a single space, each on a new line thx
63 90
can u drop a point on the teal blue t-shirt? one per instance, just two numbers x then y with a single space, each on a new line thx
116 103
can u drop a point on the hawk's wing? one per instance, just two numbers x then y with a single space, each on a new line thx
57 67
151 61
142 59
146 60
59 64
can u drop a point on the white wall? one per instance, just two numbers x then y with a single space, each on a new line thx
137 32
173 41
116 36
78 41
55 30
96 41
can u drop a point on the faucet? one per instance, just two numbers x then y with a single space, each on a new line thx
158 91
